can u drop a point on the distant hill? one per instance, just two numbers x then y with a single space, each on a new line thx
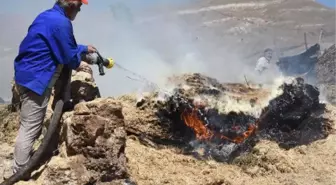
224 39
252 26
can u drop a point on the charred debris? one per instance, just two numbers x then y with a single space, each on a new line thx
290 119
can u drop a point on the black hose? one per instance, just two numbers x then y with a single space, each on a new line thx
34 162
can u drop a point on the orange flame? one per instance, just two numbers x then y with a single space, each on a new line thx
203 133
192 121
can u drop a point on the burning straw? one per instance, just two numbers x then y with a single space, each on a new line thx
284 116
192 120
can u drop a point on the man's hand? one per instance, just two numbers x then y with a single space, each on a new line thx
91 49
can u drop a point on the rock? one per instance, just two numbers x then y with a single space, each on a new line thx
81 109
96 130
86 68
101 121
83 87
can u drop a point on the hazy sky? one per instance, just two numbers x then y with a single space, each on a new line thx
33 6
328 3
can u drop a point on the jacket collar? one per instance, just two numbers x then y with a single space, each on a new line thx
59 9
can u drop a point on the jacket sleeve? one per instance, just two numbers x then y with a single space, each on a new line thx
64 46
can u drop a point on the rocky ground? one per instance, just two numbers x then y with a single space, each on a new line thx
144 140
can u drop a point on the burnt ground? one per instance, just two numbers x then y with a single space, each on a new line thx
166 151
291 119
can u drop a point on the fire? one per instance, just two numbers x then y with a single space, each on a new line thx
245 135
203 133
192 121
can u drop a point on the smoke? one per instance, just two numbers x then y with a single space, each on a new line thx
155 49
152 39
158 45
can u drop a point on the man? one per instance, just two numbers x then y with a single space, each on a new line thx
48 48
264 61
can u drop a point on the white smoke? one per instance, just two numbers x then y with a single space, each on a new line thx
155 44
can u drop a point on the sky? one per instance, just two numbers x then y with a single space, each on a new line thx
94 5
328 3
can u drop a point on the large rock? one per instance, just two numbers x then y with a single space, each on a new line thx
92 136
96 130
83 86
92 146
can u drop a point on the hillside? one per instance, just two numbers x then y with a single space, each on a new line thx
248 27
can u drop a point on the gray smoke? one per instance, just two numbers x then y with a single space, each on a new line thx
149 38
158 45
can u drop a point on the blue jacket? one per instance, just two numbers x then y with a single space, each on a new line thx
49 41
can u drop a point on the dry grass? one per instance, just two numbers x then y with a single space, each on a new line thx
267 165
9 124
275 166
149 166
